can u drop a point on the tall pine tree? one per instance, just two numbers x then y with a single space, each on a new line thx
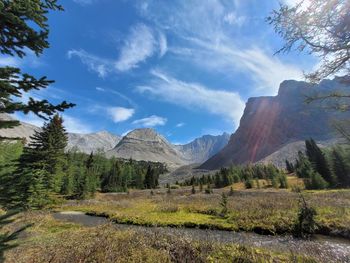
24 28
319 161
112 179
38 175
341 167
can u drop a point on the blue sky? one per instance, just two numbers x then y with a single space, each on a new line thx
183 67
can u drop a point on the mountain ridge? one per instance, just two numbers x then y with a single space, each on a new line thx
270 122
105 141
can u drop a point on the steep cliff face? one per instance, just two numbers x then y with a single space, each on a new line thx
269 123
201 149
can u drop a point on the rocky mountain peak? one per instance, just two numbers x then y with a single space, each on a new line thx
146 134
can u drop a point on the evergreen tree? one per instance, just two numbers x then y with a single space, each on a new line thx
139 179
305 224
248 184
24 27
341 167
315 182
283 181
289 167
112 180
149 178
319 161
223 204
169 190
193 190
67 188
38 175
304 168
91 180
218 183
80 186
226 180
208 190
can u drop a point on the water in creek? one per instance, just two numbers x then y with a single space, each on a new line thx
324 248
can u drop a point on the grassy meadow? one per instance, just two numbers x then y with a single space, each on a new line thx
265 211
49 240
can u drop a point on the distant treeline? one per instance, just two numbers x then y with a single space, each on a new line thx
42 173
322 168
249 174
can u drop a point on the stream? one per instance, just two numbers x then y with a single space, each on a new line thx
324 248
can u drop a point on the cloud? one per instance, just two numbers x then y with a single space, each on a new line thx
233 19
100 89
295 2
204 33
139 45
94 63
120 114
151 121
126 132
266 70
31 60
29 118
120 95
9 61
84 2
179 125
75 125
72 124
194 96
163 44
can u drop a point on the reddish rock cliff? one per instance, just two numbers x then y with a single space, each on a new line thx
269 123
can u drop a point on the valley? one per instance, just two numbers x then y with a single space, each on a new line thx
181 217
174 131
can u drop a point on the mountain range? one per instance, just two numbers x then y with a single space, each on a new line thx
272 129
139 144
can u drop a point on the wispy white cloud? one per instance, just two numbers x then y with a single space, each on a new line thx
151 121
94 63
194 96
295 2
100 89
84 2
120 114
75 125
71 124
9 61
126 132
266 70
180 124
29 118
139 45
163 44
119 94
205 31
233 19
31 60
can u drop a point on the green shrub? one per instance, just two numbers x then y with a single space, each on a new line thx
248 184
315 181
305 225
